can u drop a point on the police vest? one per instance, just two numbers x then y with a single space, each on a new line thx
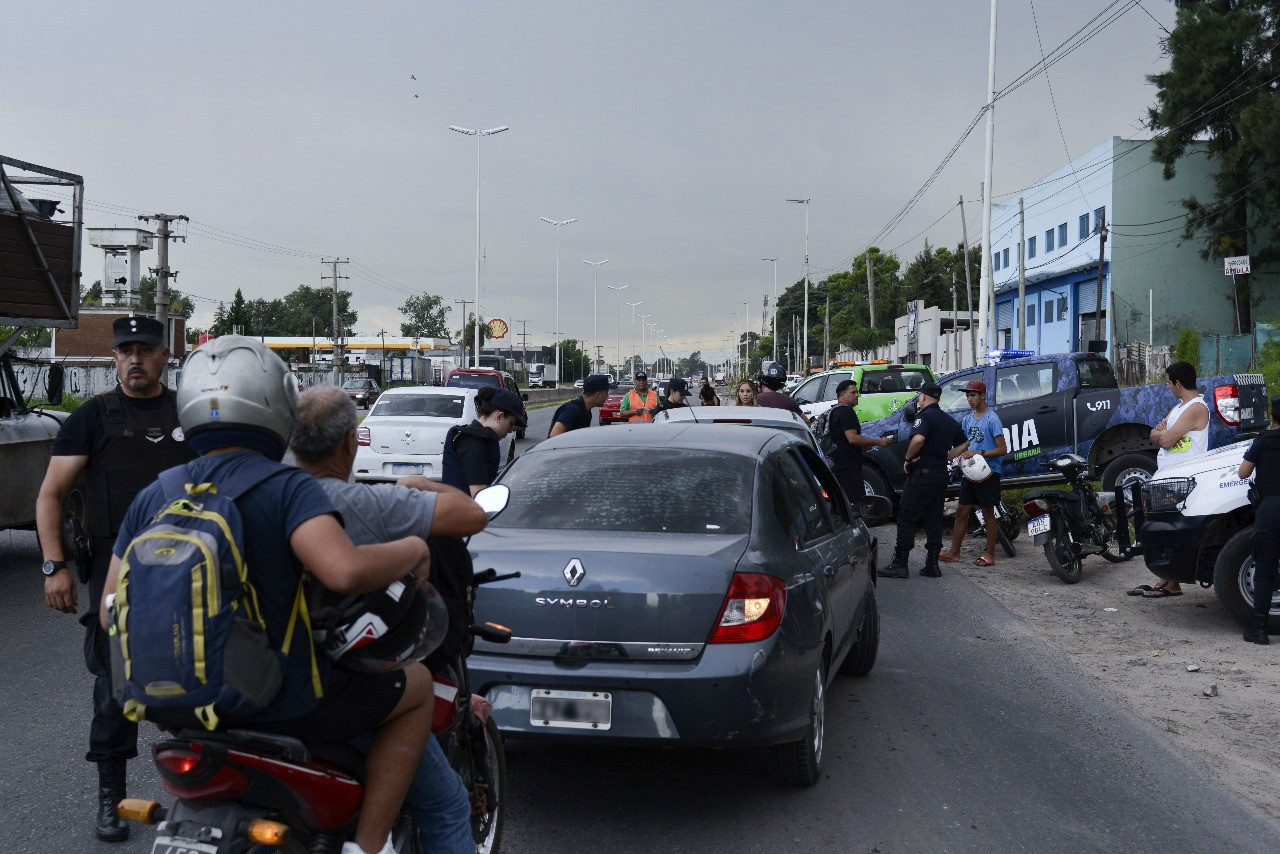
634 402
451 467
137 444
1267 473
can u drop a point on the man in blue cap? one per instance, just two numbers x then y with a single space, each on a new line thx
121 439
576 414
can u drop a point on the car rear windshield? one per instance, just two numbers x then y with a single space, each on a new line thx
694 492
355 384
427 405
1096 373
475 381
901 379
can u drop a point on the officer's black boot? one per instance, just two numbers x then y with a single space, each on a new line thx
931 568
111 828
896 569
1257 633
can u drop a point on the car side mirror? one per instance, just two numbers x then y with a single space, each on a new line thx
801 400
493 499
54 384
909 410
876 506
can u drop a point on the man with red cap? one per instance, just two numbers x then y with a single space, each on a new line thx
986 439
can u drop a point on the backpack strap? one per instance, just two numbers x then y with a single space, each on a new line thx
177 481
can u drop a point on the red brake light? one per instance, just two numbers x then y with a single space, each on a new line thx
752 608
362 436
193 774
1226 399
1035 506
178 761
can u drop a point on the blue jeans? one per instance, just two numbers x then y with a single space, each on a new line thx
440 806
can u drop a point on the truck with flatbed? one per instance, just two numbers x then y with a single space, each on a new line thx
1070 403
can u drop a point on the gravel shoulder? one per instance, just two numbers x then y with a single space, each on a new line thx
1140 649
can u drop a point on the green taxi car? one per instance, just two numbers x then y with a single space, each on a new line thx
883 387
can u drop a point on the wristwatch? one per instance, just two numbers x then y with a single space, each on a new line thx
52 566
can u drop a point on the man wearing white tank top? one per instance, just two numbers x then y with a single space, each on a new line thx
1183 434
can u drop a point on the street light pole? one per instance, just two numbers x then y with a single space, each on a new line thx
633 336
804 371
557 223
775 305
619 289
595 304
644 326
477 133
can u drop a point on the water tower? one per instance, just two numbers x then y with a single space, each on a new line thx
116 243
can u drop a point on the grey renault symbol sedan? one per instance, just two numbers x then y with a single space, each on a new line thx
705 595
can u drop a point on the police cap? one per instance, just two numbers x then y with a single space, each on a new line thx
146 330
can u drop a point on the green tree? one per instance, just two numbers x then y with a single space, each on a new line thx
306 309
426 315
178 303
91 295
1220 89
1187 348
574 361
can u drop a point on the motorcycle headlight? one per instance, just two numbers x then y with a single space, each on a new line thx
1163 496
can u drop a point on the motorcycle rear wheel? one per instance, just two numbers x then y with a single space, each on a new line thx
1062 563
486 826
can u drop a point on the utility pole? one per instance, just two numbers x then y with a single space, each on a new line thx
163 273
805 342
524 342
871 291
775 306
338 338
1097 315
1022 278
826 331
985 284
462 337
968 285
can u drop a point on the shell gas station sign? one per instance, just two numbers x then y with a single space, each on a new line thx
498 328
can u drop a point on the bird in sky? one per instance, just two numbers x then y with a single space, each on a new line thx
411 77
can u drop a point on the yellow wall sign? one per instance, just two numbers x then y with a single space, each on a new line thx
498 328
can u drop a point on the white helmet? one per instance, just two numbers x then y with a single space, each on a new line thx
236 383
975 468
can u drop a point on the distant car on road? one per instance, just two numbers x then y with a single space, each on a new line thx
649 619
363 391
404 433
609 410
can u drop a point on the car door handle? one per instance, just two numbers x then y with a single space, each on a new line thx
1045 410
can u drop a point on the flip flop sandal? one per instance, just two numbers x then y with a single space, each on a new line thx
1161 593
984 561
1141 590
946 558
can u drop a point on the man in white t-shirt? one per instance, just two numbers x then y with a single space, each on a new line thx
1183 434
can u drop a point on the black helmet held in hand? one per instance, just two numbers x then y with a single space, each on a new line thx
773 375
383 630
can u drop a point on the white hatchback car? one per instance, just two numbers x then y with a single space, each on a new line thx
404 432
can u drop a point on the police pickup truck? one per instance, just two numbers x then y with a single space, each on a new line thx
1199 528
1069 403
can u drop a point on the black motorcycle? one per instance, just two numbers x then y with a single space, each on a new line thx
1074 524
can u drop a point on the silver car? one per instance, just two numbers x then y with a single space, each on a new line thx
711 605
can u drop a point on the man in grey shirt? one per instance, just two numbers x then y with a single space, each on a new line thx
324 442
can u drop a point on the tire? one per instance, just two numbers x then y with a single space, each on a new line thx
862 656
876 484
486 827
1112 553
799 763
1127 467
1064 565
1233 580
1004 541
1010 521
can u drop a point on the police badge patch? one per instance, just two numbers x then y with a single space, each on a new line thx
917 422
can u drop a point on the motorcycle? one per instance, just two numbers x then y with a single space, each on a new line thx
1074 524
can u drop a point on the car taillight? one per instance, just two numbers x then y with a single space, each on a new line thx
362 436
196 774
752 608
1035 506
1226 399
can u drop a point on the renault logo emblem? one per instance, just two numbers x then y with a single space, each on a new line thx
573 573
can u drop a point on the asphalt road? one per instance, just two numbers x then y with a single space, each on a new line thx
970 734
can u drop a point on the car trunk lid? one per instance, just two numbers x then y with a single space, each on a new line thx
408 435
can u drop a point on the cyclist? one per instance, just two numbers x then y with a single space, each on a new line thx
236 404
324 441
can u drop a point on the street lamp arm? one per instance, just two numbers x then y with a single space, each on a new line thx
467 131
492 131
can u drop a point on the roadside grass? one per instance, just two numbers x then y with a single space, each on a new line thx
70 403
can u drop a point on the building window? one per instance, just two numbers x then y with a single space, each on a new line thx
995 261
1048 240
1031 248
1084 226
1031 315
1004 258
1046 313
1062 308
1098 217
1062 236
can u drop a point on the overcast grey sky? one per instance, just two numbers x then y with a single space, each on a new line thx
673 132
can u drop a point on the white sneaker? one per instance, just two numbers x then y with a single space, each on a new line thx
353 848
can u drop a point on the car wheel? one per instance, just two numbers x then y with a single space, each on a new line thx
874 481
799 763
1127 468
862 657
1233 580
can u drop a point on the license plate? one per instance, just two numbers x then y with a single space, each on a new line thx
1038 525
174 845
570 709
406 468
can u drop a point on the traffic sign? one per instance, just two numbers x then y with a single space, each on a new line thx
1237 265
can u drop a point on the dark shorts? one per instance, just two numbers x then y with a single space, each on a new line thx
353 704
985 494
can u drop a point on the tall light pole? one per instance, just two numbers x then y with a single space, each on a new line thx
558 223
644 325
477 134
775 304
633 335
595 304
804 370
746 337
619 289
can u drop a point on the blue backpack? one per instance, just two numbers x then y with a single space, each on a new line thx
188 642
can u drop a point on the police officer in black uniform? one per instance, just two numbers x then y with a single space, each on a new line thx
936 437
121 440
1264 456
677 389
